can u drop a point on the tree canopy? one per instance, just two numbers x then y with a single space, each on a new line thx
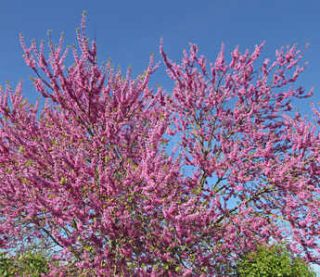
120 178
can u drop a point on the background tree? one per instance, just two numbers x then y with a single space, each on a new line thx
272 261
94 171
33 262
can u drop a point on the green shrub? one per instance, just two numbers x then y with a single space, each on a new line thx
26 264
272 261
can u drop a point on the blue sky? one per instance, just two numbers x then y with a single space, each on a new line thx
129 31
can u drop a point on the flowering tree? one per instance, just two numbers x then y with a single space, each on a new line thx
94 174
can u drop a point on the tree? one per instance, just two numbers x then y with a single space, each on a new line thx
272 261
26 264
121 178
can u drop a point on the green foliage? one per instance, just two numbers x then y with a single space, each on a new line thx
272 261
27 264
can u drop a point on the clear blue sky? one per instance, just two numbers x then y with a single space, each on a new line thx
128 31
